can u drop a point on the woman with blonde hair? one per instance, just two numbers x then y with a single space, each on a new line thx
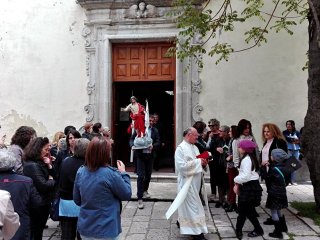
54 144
272 138
274 130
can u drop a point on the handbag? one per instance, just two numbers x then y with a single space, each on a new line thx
292 164
54 209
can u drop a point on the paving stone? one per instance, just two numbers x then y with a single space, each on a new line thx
124 232
139 227
159 224
158 215
150 223
49 232
222 220
175 232
211 228
180 238
128 212
298 228
140 219
162 206
212 236
311 224
266 236
136 237
306 237
158 234
146 211
245 237
232 214
126 222
217 211
225 232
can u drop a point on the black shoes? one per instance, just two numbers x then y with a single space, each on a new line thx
225 205
283 224
232 208
255 233
277 230
269 221
239 234
218 204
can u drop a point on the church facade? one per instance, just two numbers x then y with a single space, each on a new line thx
66 62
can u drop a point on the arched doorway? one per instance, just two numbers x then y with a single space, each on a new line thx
143 70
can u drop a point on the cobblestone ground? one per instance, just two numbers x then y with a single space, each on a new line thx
150 222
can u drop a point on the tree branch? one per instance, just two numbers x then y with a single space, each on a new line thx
278 16
265 28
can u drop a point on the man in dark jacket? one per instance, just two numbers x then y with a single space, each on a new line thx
23 193
145 159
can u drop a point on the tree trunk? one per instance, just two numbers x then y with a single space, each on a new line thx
311 131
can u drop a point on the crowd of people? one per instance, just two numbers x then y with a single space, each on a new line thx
72 169
75 169
236 169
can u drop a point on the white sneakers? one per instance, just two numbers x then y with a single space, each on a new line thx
140 204
146 195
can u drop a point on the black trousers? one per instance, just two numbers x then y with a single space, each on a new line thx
38 217
69 228
247 210
213 182
144 171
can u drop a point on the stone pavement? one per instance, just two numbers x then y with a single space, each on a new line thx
150 222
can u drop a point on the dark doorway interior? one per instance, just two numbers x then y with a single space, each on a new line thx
161 100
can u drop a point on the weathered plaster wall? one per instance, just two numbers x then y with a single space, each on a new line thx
44 79
42 65
264 84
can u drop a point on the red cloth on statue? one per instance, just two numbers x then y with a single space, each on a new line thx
139 119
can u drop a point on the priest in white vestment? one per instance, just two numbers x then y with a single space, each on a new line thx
191 215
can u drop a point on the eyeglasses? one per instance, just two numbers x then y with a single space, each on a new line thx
214 125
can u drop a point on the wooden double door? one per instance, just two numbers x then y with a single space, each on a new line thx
143 70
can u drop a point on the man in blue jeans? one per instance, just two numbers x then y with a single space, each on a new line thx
145 158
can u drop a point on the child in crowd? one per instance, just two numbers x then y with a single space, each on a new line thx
248 188
276 181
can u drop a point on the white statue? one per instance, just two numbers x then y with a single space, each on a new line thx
141 10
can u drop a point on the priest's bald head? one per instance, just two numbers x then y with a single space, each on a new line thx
190 135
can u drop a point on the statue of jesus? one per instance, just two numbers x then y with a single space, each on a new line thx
137 113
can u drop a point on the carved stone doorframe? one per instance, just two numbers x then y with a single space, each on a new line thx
100 32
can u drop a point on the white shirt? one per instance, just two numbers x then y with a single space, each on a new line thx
245 172
265 151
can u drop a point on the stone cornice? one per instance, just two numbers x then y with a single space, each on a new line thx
120 4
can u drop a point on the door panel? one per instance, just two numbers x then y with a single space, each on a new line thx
143 70
142 62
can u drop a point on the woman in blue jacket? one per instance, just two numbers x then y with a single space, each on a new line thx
293 140
99 190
